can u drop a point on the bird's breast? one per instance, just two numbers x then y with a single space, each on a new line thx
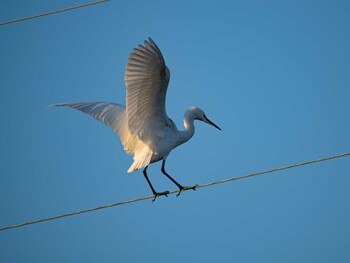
162 144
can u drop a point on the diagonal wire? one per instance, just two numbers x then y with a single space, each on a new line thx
176 191
52 12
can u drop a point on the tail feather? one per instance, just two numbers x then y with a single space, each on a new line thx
142 158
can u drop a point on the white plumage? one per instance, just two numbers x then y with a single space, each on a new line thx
143 126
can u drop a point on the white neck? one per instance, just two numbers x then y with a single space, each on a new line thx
186 134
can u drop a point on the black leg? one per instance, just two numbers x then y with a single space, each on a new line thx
167 175
148 181
156 194
182 188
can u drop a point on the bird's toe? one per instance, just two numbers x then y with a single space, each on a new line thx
185 188
156 194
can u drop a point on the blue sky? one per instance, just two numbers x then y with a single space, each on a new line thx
274 75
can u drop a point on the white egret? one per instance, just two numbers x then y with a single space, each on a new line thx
143 126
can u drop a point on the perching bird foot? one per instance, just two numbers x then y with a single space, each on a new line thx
156 194
185 188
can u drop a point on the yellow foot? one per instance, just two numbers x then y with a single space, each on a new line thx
185 188
156 194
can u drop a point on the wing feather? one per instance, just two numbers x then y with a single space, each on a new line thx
114 116
146 79
110 114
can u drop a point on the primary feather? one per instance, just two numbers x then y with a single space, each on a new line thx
146 79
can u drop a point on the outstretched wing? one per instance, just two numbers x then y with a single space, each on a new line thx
111 114
146 79
114 116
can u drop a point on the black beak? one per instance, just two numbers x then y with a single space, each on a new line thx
211 123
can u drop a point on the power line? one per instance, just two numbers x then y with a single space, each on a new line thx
176 191
52 12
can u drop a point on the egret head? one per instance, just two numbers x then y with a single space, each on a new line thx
197 114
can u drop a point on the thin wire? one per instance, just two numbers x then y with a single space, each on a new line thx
52 12
176 191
